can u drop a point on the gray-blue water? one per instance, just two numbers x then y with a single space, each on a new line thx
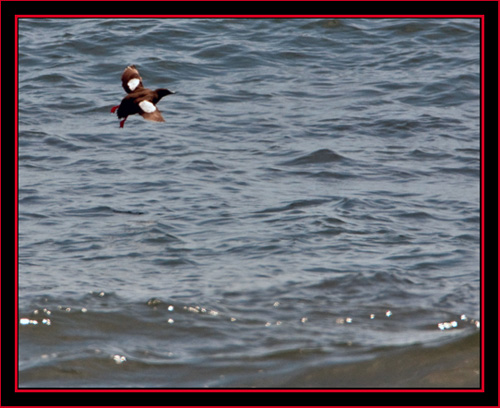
307 216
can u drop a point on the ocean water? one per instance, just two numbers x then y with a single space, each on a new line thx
307 216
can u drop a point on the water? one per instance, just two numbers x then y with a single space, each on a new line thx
308 215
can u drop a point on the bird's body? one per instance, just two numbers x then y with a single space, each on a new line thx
139 99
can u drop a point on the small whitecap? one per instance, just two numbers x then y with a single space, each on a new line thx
303 320
119 359
267 324
276 304
170 308
448 325
24 321
170 321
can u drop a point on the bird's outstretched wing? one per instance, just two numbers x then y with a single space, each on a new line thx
131 80
150 112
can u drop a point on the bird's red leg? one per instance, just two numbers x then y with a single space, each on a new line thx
122 122
114 108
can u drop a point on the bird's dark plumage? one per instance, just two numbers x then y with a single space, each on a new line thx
131 80
139 99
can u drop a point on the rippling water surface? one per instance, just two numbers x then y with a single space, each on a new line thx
308 215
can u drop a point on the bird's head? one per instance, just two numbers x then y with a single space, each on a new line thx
163 92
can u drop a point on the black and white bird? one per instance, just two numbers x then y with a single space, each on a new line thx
139 99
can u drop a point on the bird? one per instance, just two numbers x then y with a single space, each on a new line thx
139 99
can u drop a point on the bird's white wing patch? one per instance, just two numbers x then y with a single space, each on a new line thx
147 106
133 83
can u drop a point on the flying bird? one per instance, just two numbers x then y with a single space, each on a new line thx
139 99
